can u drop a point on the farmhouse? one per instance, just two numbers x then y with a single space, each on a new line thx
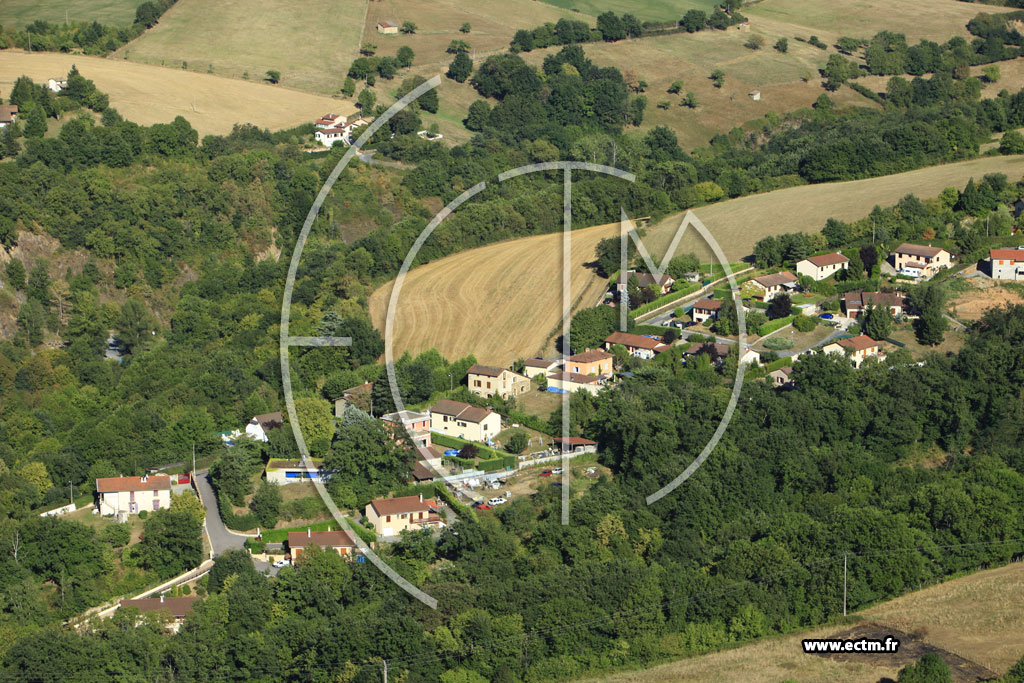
358 397
575 444
387 27
855 303
392 516
178 608
916 260
409 424
767 286
458 419
8 114
637 345
591 362
705 309
572 382
662 283
1006 264
539 367
823 266
130 495
339 541
486 381
283 472
857 349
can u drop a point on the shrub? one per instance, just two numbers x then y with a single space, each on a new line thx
805 323
778 343
143 514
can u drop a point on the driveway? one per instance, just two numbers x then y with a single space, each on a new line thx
221 539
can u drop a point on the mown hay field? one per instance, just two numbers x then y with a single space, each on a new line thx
24 12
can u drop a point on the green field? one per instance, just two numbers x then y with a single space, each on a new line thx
24 12
312 46
652 10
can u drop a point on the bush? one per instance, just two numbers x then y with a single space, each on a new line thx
778 343
143 514
805 323
517 442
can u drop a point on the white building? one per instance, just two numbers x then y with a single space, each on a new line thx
56 85
463 421
822 266
1006 264
260 425
123 496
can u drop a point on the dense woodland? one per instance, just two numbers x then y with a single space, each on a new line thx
181 248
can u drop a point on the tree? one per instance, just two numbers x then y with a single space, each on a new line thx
349 88
230 563
368 49
172 542
39 283
135 325
718 78
476 117
590 326
404 57
517 442
727 322
929 669
611 27
782 45
805 323
991 73
460 68
690 100
755 42
35 122
676 87
408 27
694 20
16 273
780 306
465 28
1012 142
266 504
367 98
877 322
273 76
147 14
837 70
930 301
457 46
316 422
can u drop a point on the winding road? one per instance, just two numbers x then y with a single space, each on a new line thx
221 538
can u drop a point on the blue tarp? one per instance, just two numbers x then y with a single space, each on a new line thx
554 390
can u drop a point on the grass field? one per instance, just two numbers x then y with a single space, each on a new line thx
152 94
311 44
650 10
502 301
24 12
970 616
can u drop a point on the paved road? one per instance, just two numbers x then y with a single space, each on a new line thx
221 538
367 158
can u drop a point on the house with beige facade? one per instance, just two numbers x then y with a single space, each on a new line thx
917 260
768 286
705 309
463 421
408 424
823 266
392 516
486 381
857 349
340 542
388 28
124 496
636 344
540 367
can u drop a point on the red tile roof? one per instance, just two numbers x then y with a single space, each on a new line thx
460 410
575 441
828 259
156 482
573 377
634 340
1011 254
324 539
861 342
590 356
8 112
707 304
404 504
917 250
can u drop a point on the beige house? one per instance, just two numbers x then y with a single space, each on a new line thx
176 608
486 381
856 303
781 378
661 283
637 344
768 286
408 424
916 260
823 266
392 516
573 382
130 495
540 367
387 27
461 420
705 309
857 349
340 542
283 472
591 362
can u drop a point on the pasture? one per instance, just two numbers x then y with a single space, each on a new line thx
23 12
311 44
653 10
503 301
152 94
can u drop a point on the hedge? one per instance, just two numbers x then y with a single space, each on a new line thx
501 462
778 364
870 285
666 299
233 521
650 329
461 509
777 324
866 92
362 532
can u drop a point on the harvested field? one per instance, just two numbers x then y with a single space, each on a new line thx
152 94
984 294
23 12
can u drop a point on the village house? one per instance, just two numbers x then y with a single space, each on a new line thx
392 516
360 397
260 426
856 303
636 344
575 444
486 381
781 378
123 496
715 351
540 367
823 266
768 286
572 382
407 424
461 420
339 541
750 357
329 121
8 115
1006 264
387 27
857 349
591 362
178 608
705 309
661 283
283 472
916 260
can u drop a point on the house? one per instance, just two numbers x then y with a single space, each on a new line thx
387 27
916 260
539 367
486 381
458 419
260 426
822 266
768 286
857 349
855 303
750 357
177 608
575 444
662 283
392 516
421 473
409 424
705 309
637 344
283 472
360 397
591 362
8 114
717 352
130 495
572 382
56 84
781 378
755 95
328 136
1006 264
328 121
341 542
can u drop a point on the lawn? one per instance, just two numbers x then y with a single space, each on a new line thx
801 340
952 341
539 403
311 45
23 12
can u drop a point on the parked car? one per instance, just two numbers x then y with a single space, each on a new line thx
546 473
497 501
480 505
826 316
281 563
557 470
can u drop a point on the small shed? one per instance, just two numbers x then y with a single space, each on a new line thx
387 27
755 95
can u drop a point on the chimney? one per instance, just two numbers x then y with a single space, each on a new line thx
309 533
421 497
161 598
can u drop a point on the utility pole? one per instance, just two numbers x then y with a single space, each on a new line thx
844 584
872 231
193 461
71 492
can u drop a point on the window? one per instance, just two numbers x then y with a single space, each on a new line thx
388 518
488 385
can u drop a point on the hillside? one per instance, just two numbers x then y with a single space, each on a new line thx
440 304
152 94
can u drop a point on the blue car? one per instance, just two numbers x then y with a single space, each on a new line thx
826 316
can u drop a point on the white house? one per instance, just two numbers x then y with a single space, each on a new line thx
339 132
329 121
461 420
283 472
260 425
56 85
705 309
130 495
637 344
822 266
1006 264
540 367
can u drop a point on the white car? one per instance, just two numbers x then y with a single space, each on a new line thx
281 563
557 470
497 501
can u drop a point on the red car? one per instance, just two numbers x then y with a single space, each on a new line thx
483 506
546 473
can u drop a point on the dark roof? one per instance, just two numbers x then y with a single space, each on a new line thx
421 472
155 482
324 539
8 112
178 607
396 506
775 279
488 370
573 377
714 350
269 420
461 410
590 355
863 299
917 250
539 363
647 279
635 340
828 259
